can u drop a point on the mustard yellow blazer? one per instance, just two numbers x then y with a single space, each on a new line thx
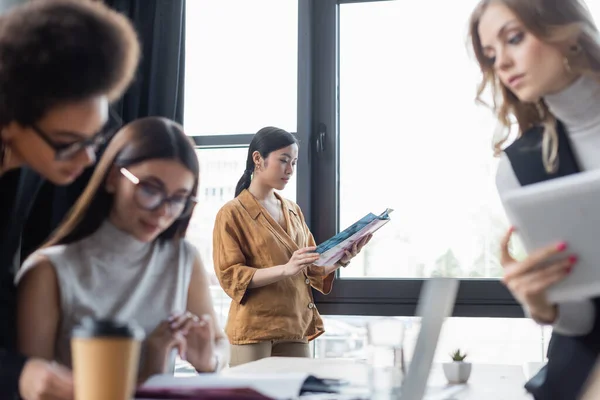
245 239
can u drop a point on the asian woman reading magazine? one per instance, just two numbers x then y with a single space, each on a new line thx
121 254
263 251
541 60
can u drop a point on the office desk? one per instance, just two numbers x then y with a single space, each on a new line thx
487 382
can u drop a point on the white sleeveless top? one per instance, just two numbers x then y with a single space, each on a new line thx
110 274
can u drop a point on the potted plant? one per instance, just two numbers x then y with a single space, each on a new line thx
457 371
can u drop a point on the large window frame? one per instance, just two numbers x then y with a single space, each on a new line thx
303 110
319 42
318 180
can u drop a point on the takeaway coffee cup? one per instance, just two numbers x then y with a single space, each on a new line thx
105 356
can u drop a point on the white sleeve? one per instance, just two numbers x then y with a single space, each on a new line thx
575 318
506 179
31 261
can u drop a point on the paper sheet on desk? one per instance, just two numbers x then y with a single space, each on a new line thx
443 392
277 386
446 392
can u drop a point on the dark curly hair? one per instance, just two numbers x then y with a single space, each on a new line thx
54 52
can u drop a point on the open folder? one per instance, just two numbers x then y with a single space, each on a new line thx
240 386
199 394
333 249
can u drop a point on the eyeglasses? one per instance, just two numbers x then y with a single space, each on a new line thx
64 152
151 197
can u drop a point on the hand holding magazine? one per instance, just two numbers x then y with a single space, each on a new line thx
332 250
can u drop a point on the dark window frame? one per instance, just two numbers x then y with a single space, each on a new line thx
318 180
373 297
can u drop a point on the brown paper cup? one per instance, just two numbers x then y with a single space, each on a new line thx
105 356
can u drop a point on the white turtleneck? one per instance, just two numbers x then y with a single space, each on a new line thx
578 108
110 274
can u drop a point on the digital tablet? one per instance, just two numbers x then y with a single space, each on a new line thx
562 209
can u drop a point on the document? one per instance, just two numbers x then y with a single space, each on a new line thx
262 386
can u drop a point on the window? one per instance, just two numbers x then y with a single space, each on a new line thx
395 101
385 114
241 75
436 173
403 131
241 66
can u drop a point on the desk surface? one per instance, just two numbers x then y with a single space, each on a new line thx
487 382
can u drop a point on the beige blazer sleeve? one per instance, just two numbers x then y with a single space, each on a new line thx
229 260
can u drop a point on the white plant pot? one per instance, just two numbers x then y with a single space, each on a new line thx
457 371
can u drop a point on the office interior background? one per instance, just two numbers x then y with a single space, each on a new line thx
380 94
381 97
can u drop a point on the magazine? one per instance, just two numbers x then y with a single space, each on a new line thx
333 249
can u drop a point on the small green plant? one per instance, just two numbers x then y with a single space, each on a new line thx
458 356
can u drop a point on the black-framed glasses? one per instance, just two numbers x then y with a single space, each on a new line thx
64 152
149 196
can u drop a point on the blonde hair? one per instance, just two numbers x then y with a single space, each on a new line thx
559 22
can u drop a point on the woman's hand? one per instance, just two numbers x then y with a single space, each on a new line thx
200 338
158 346
301 259
528 280
356 248
43 380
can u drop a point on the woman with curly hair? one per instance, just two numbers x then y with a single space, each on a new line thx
61 64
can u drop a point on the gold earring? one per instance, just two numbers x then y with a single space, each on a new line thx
567 65
574 51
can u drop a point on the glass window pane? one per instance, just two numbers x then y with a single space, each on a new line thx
594 8
220 170
241 66
407 111
513 341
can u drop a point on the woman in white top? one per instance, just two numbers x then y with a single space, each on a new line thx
121 254
538 80
541 61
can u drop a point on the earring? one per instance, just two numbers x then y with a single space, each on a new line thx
574 50
567 65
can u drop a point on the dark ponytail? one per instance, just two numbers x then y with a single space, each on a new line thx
265 141
244 182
